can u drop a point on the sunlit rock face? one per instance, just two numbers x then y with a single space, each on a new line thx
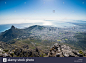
63 51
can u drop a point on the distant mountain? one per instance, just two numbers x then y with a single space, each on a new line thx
14 33
37 27
39 32
70 36
10 34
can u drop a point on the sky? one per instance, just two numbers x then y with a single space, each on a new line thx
46 12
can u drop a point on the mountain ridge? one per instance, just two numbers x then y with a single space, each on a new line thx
52 34
14 32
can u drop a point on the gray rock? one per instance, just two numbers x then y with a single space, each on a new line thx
63 51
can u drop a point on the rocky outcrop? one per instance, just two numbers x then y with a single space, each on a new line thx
63 51
26 46
3 53
27 53
56 50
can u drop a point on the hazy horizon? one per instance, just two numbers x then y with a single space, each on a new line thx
42 12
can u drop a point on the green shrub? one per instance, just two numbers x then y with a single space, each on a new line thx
81 52
6 50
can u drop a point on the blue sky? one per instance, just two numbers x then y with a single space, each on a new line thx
46 12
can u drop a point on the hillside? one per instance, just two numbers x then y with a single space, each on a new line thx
15 33
22 49
73 37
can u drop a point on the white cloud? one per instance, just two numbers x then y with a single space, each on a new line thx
22 20
47 23
44 21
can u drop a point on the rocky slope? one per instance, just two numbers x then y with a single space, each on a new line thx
56 51
63 51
